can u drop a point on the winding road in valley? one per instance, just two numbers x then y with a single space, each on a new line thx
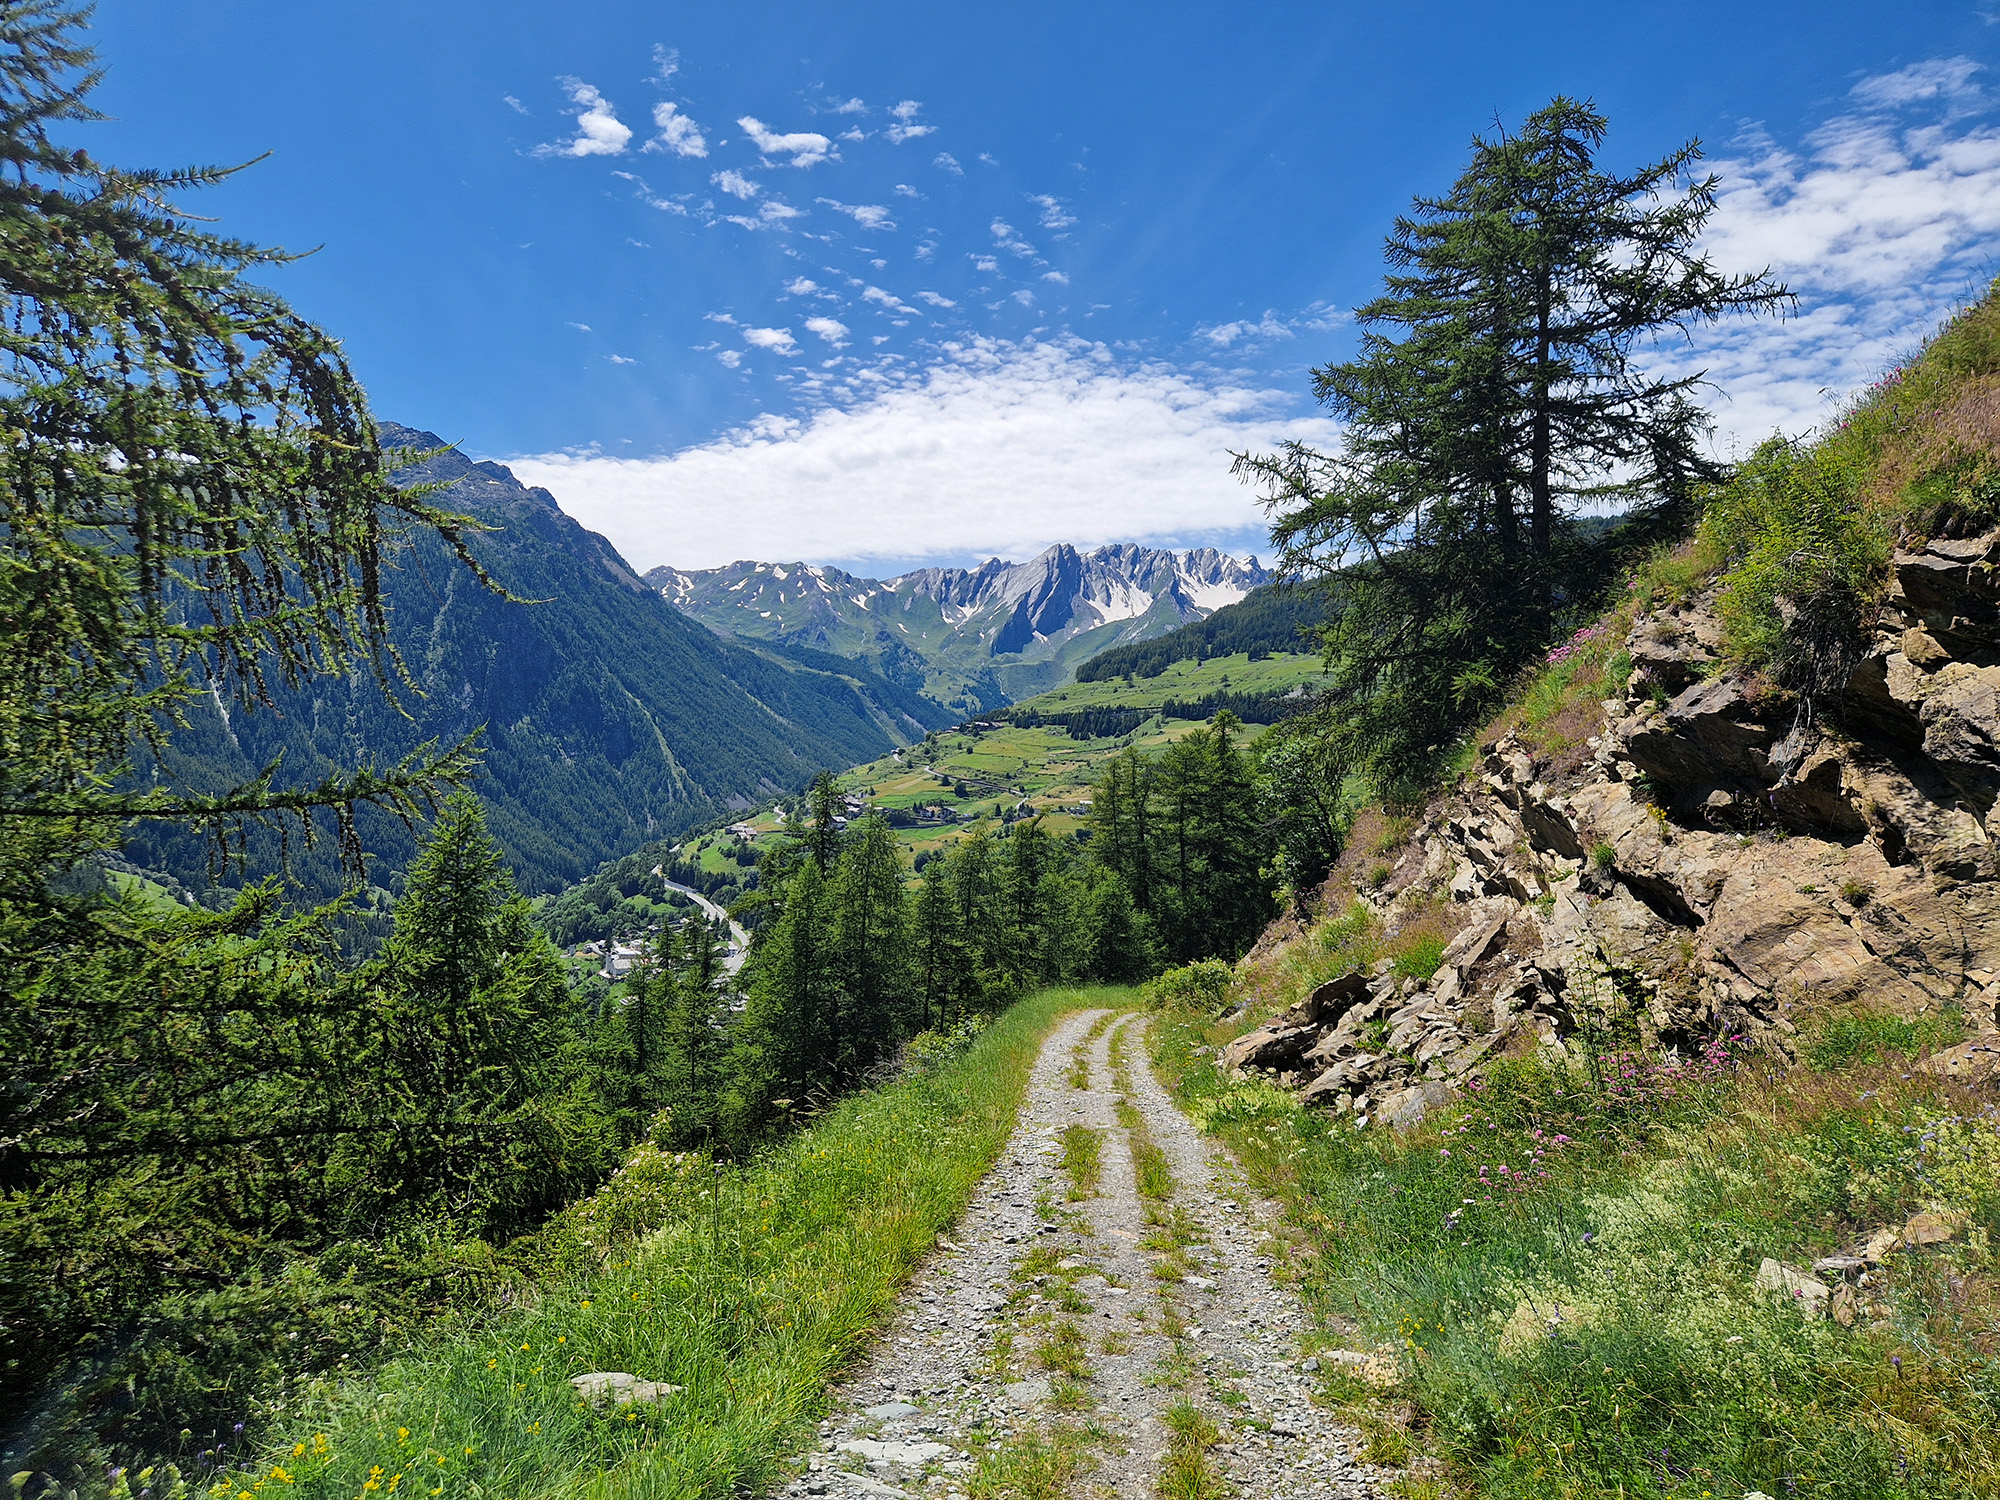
1102 1323
739 940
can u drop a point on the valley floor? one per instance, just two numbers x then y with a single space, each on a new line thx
1106 1322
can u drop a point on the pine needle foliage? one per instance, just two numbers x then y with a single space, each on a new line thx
193 497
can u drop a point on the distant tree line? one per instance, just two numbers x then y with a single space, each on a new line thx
1110 721
1270 619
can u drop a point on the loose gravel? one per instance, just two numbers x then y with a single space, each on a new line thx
1041 1349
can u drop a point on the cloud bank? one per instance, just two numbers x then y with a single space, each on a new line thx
998 449
1882 220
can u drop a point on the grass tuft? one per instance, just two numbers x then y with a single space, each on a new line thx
1082 1159
1187 1472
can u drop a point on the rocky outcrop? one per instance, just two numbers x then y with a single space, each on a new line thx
1727 860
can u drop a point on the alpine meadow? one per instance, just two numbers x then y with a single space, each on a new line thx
1438 937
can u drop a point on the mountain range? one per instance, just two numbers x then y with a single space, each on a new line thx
969 639
608 716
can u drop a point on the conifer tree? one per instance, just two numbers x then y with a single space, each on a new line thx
871 943
471 1015
1497 392
696 1042
938 948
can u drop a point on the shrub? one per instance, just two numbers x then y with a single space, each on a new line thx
1193 986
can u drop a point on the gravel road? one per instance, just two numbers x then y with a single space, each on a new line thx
1074 1320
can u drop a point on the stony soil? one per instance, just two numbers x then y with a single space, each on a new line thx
1045 1348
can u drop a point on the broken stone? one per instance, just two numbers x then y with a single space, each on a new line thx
1327 1002
1775 1278
621 1388
1975 1062
873 1452
889 1410
1026 1392
1269 1047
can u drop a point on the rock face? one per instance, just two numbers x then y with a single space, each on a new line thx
1724 863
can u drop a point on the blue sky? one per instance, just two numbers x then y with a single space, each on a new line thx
881 284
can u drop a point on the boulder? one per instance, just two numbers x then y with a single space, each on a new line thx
620 1388
1775 1278
1335 1083
1920 1229
878 1454
1950 584
1345 1037
1710 735
1276 1047
1975 1062
1408 1106
1327 1002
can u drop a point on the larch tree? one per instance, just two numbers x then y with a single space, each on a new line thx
1499 393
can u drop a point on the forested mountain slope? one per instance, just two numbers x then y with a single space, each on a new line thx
970 638
609 716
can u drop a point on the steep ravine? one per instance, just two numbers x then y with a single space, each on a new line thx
1726 860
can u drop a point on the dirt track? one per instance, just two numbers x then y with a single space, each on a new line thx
1063 1330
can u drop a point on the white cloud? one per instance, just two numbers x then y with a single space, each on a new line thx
770 214
730 357
734 183
677 133
1005 236
944 161
599 131
1032 443
580 327
989 158
1946 78
1025 297
888 300
854 133
1881 220
801 286
1054 216
779 339
619 359
935 299
666 63
1057 277
867 215
846 107
985 263
831 329
1222 335
514 104
805 147
906 127
904 190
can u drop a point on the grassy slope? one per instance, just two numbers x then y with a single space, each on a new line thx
751 1286
1565 1273
1052 770
1565 1278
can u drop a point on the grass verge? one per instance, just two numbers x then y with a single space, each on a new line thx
1568 1272
748 1286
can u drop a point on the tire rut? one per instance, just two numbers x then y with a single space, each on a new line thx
1051 1346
